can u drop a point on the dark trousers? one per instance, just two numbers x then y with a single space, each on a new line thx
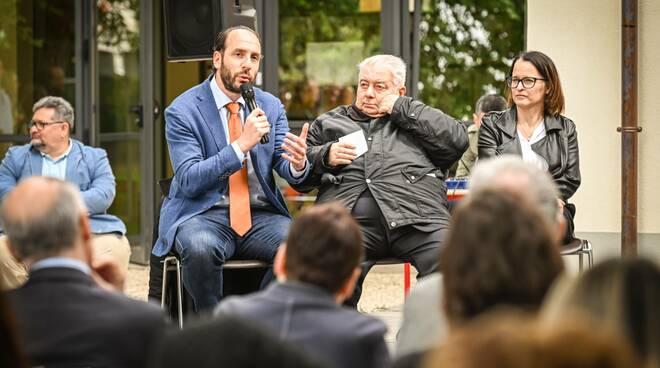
206 241
418 244
569 215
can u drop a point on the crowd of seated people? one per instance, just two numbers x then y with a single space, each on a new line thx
496 293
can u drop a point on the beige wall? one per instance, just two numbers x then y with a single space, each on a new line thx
584 39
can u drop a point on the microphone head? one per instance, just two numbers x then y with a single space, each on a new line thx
247 91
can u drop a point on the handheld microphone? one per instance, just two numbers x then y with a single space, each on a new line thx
248 95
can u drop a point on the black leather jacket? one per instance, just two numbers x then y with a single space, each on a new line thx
409 151
559 148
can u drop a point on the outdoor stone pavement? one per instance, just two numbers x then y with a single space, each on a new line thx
382 295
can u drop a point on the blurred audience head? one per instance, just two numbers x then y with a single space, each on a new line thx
323 248
486 104
44 217
226 342
500 252
621 294
511 173
11 354
505 340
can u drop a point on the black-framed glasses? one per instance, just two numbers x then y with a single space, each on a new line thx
527 82
41 124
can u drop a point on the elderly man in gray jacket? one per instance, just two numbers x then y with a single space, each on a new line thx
395 189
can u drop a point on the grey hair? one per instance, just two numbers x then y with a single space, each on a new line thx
394 63
63 109
513 173
50 232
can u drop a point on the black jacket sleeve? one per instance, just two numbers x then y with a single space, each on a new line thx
442 137
569 181
317 150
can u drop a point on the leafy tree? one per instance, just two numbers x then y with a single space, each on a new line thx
303 22
466 48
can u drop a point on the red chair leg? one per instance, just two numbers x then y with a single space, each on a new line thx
406 279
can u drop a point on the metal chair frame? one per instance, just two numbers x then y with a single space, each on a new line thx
583 247
172 263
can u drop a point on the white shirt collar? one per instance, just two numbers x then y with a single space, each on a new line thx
66 153
220 97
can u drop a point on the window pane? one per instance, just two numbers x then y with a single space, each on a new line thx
36 58
118 41
466 49
320 46
126 168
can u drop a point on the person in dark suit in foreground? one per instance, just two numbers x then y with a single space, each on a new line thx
317 269
227 342
70 312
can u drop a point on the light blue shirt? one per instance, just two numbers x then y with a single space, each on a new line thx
61 262
55 168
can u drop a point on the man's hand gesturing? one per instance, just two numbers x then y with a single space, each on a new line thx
296 148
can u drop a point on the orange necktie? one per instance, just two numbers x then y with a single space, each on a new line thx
239 194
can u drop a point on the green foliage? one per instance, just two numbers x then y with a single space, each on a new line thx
304 21
466 49
114 27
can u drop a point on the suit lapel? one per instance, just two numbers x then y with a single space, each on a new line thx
211 114
72 162
36 162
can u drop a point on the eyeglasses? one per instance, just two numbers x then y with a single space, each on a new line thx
41 124
527 82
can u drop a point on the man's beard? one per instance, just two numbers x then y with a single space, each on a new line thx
37 143
228 79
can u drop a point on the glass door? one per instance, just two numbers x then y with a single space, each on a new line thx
124 83
37 55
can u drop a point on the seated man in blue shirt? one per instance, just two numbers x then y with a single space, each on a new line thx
52 153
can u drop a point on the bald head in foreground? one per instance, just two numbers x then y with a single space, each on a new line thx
70 312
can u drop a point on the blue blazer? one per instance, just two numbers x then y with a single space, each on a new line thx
87 168
203 161
308 317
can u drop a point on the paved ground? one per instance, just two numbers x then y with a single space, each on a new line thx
382 296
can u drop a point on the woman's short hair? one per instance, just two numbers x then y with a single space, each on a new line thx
554 100
500 252
622 294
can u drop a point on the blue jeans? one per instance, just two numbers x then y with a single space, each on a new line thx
206 241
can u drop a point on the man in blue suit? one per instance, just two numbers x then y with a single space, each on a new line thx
223 201
51 152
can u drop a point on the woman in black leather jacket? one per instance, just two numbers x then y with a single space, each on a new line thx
535 129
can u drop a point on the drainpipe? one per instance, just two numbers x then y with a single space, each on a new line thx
629 129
